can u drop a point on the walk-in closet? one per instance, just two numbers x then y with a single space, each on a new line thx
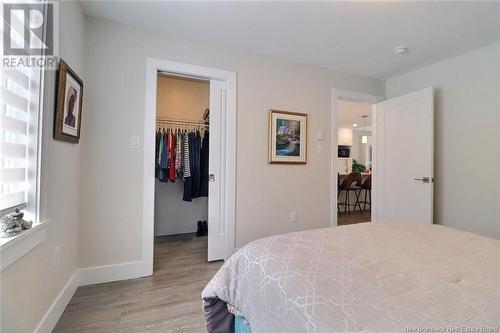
181 168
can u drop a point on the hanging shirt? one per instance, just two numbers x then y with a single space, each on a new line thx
172 151
178 154
164 157
188 181
204 166
195 171
157 154
161 155
187 169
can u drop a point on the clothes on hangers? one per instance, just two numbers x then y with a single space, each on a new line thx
183 155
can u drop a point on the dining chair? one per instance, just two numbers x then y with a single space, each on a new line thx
351 183
367 187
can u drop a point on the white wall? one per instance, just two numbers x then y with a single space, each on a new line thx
111 210
344 136
182 98
179 98
174 216
467 137
31 284
359 149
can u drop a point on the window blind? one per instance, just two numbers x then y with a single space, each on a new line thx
14 118
19 115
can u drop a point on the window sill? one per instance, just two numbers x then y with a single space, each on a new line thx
13 248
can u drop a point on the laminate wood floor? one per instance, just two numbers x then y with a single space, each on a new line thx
167 301
354 217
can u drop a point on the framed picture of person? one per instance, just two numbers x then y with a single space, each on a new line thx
68 117
287 137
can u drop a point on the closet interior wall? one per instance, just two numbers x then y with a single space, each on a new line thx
186 99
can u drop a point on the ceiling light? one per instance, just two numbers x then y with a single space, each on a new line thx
400 50
364 138
354 125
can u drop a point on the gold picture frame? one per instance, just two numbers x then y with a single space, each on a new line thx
287 137
68 113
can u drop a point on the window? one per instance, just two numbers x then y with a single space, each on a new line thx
20 96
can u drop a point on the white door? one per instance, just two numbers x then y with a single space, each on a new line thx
404 170
216 227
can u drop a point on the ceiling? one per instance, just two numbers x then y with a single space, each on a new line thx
353 37
350 113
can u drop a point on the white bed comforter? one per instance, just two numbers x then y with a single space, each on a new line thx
370 276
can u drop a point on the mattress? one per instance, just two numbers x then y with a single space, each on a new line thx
364 277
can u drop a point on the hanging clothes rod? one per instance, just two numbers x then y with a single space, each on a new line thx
181 122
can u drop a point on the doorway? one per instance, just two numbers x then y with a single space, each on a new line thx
219 209
181 167
354 162
402 131
353 132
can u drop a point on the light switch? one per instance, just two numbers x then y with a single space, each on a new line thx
321 135
293 217
134 142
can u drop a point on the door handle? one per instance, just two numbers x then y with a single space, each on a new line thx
424 179
211 177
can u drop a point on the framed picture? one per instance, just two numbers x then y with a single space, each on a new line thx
68 117
287 137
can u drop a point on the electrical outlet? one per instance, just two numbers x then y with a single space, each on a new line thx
56 256
293 217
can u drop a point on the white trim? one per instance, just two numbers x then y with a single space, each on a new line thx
83 277
375 133
11 249
353 97
153 65
167 229
108 273
51 317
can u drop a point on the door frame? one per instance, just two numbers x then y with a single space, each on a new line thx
228 143
351 96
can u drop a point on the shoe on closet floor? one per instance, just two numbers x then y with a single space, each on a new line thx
205 228
199 232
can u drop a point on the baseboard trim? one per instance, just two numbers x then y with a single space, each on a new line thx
108 273
49 321
175 230
86 276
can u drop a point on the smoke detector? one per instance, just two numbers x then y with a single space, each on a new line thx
400 49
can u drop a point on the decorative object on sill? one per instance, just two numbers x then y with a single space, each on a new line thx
287 137
68 117
358 167
11 225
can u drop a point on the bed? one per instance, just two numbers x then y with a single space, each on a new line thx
364 277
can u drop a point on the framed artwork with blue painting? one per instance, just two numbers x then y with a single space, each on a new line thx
287 137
